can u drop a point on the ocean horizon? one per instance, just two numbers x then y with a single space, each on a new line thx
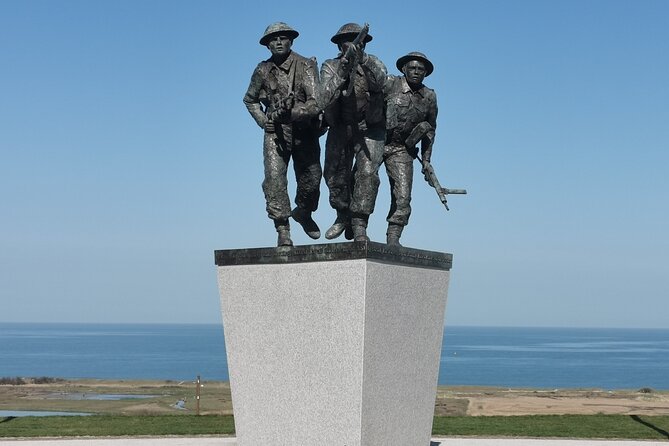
534 357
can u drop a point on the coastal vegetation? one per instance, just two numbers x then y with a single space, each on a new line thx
157 408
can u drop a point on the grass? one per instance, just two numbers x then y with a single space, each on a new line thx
116 426
561 426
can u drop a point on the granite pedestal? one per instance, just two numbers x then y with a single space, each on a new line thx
336 344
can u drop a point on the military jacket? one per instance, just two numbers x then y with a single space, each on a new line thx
406 108
366 102
271 83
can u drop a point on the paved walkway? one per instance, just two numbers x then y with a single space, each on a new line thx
216 441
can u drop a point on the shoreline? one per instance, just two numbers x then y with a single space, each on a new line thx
104 396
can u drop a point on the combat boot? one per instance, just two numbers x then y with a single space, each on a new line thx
303 217
283 230
393 234
340 225
359 226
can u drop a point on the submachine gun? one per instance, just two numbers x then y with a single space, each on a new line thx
350 56
422 133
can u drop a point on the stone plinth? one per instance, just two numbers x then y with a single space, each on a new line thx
336 344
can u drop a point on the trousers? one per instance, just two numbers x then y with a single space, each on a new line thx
353 156
305 154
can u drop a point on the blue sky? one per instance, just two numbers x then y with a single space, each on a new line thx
127 156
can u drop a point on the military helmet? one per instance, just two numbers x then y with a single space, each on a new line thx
415 55
278 28
350 29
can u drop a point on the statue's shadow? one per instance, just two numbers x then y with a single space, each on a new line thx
435 443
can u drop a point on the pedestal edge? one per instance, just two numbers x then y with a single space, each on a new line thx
334 251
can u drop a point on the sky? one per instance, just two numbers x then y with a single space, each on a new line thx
127 156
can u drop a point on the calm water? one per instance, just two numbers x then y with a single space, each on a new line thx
510 357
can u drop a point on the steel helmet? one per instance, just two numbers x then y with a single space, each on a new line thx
278 28
415 55
350 29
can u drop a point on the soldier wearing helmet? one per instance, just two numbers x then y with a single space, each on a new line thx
351 94
281 98
408 104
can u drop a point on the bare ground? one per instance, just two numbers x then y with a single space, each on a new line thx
497 401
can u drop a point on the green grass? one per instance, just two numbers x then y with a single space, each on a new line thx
116 425
565 426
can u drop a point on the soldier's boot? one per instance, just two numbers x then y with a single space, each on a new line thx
359 227
393 234
303 217
340 224
283 230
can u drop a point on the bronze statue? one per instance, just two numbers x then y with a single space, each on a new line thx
282 100
351 95
411 108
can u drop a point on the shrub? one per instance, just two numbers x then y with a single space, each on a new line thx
16 381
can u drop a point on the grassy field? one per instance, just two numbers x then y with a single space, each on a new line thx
536 426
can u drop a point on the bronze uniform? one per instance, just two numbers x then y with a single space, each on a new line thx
357 132
297 139
404 110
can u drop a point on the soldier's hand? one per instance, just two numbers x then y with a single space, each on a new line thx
424 171
283 115
353 52
345 67
269 126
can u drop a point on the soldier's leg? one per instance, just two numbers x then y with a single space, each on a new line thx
337 167
368 159
399 166
275 187
337 174
307 165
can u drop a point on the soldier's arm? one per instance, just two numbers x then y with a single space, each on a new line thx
330 85
426 146
309 109
252 98
376 72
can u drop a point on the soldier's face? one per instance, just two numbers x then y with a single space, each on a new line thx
414 70
280 45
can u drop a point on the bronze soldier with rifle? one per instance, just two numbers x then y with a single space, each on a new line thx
351 95
411 118
281 98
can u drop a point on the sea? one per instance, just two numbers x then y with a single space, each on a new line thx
510 357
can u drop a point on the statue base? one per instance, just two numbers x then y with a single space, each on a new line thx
334 344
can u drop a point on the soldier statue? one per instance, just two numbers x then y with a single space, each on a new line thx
281 98
351 95
411 116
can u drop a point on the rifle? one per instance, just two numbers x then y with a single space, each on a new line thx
350 55
424 132
280 107
432 180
